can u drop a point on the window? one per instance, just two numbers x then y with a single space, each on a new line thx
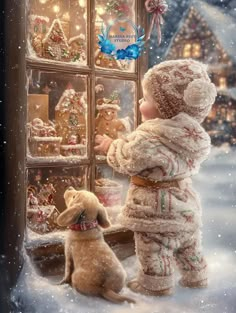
187 50
74 92
222 82
192 50
196 50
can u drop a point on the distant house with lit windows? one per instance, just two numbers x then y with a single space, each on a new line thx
208 35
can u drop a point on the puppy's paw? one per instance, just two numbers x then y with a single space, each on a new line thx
65 280
106 224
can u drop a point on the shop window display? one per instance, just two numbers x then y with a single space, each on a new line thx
57 115
57 30
75 91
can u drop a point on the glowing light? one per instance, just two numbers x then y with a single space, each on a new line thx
66 16
56 8
222 83
100 10
43 1
82 3
77 27
110 22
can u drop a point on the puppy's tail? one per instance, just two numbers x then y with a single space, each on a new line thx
115 297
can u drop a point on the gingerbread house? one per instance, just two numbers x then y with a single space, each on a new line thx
41 211
103 60
38 28
77 48
42 219
207 34
42 139
55 45
70 118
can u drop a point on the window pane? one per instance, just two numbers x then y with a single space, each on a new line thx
115 107
57 30
187 50
111 188
121 14
222 82
57 115
196 50
45 192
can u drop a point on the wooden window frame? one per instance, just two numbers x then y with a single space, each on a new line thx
13 211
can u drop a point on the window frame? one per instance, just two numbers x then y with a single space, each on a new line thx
13 210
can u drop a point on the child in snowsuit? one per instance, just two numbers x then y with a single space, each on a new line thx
161 155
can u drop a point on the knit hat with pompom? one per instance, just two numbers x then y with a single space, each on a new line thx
180 86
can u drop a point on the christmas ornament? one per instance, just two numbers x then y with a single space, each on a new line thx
158 8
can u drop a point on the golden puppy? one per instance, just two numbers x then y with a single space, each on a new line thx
91 266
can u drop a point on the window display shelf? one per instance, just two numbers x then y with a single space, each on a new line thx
47 252
56 161
74 69
70 68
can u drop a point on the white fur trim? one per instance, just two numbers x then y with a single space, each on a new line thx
155 283
194 276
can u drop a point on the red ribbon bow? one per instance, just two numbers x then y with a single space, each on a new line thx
158 8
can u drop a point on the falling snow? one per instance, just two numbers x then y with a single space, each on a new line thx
38 295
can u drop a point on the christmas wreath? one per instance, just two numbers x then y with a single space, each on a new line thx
131 52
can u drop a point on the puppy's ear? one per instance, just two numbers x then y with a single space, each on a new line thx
102 217
69 216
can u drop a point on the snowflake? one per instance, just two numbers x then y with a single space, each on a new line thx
192 133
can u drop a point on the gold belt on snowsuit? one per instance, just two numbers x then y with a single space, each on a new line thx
143 182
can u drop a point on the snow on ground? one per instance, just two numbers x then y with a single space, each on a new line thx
217 185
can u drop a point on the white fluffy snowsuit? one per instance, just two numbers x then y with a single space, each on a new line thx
166 221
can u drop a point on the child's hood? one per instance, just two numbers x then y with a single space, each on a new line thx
182 134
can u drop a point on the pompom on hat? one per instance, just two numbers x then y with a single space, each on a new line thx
180 86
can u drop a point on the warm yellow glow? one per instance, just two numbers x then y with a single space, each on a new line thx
192 50
66 16
82 3
56 8
77 27
196 50
43 1
222 83
100 10
110 22
187 50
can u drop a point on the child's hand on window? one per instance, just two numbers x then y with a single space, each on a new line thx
102 143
